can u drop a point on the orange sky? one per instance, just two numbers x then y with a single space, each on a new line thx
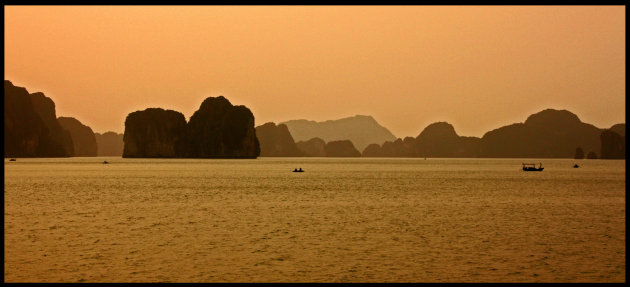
476 67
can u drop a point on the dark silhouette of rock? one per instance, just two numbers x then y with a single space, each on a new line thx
436 140
314 147
83 138
217 130
26 134
45 108
591 155
440 140
220 130
109 144
547 134
155 133
579 153
343 148
276 141
613 143
361 130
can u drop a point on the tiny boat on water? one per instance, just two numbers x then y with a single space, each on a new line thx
575 166
532 167
12 159
298 170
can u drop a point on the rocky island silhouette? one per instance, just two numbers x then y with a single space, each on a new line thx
221 130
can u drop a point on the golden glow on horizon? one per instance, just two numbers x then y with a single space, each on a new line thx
476 67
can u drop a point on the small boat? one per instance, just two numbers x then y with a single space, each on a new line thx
532 167
298 170
12 159
575 166
105 162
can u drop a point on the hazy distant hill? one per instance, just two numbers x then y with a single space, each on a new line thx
83 137
109 144
361 130
276 141
614 142
436 140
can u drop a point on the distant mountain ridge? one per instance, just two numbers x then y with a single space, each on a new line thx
361 130
547 134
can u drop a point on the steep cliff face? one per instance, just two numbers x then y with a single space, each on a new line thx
220 130
314 147
156 133
45 108
343 148
276 141
613 143
217 130
109 144
547 134
25 132
83 137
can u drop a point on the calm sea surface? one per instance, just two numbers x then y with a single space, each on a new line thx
343 220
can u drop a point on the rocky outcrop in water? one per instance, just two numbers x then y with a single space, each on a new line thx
220 130
440 140
83 138
217 130
613 143
436 140
109 144
26 133
343 148
547 134
361 130
314 147
155 133
397 148
276 141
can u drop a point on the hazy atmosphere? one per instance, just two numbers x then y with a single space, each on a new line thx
477 68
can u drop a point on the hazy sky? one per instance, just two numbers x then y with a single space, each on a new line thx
476 67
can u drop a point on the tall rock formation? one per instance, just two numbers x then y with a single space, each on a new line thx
220 130
155 133
314 147
343 148
361 130
45 108
83 138
109 144
26 133
547 134
276 141
217 130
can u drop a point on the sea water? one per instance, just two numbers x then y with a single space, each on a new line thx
342 220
